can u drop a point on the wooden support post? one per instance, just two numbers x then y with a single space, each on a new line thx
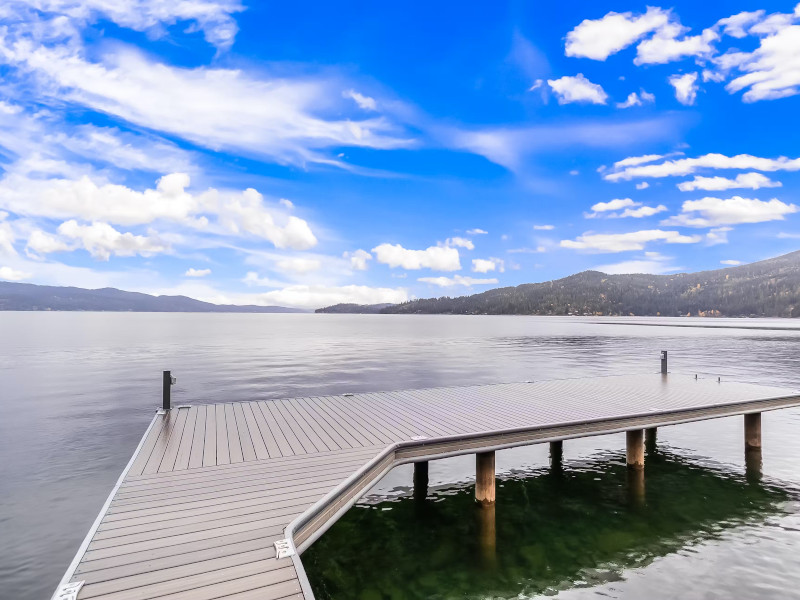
635 449
650 439
636 489
487 536
752 431
663 362
421 480
752 465
484 478
167 384
556 455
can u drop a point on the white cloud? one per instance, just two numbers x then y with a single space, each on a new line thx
7 238
615 204
633 161
577 89
298 265
236 213
291 120
643 211
732 263
609 209
317 296
772 70
10 274
687 166
713 212
476 232
483 265
41 243
101 240
639 99
717 235
460 242
544 227
599 38
685 87
665 46
358 259
642 185
456 280
737 25
364 102
753 181
622 242
437 258
192 272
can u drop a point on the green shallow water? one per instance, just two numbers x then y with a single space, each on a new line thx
581 526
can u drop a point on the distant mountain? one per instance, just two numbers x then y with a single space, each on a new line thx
26 296
369 309
769 288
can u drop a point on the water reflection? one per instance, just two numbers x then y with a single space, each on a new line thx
550 530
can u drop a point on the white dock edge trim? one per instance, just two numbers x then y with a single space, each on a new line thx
87 540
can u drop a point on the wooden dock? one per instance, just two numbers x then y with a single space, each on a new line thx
219 500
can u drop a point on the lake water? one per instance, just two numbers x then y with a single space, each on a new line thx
77 391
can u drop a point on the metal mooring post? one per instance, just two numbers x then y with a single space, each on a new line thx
663 362
169 381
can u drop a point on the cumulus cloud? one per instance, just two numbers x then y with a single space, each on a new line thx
633 161
358 259
639 99
665 46
713 212
615 204
732 263
7 238
544 227
652 263
41 243
737 25
577 89
234 213
537 250
687 166
717 235
484 265
456 280
460 243
476 232
753 181
611 209
642 185
622 242
9 274
600 38
685 87
101 240
192 272
437 258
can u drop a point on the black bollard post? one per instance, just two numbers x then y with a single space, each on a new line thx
167 384
663 362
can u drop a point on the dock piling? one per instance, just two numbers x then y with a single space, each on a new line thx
634 442
650 435
168 381
663 362
421 480
752 431
484 478
556 455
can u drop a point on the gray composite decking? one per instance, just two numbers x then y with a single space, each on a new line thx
211 488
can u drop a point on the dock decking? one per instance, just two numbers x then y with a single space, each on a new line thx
211 488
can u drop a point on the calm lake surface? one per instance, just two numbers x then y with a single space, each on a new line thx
77 391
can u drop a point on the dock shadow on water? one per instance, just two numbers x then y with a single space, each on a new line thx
551 530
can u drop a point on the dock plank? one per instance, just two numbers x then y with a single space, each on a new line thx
212 487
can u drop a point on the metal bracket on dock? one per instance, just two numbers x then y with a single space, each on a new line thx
283 549
69 591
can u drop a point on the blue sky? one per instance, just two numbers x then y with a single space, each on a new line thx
306 154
